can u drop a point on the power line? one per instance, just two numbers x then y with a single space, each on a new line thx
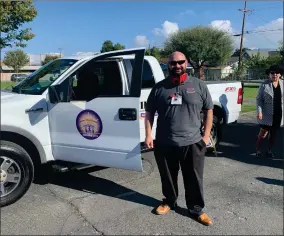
265 8
264 30
258 31
253 14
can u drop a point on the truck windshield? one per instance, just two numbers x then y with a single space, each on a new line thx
37 82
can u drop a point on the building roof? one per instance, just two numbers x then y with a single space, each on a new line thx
262 53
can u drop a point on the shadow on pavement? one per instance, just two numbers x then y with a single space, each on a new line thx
184 212
83 181
238 143
271 181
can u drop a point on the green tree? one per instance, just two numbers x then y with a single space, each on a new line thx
154 51
202 46
108 46
13 15
164 53
261 63
49 58
273 60
255 62
118 46
256 65
16 59
281 49
244 50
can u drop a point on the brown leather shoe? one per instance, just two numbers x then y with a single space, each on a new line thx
204 219
163 209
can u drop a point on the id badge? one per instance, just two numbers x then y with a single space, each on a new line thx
176 100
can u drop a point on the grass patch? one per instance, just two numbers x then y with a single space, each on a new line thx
248 108
250 91
6 84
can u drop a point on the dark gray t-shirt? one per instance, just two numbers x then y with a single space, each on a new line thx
179 125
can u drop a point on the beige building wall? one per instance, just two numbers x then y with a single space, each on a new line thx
7 76
7 72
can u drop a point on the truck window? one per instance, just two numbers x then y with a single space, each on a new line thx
37 82
148 80
97 79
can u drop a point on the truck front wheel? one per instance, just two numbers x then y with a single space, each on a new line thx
216 131
17 172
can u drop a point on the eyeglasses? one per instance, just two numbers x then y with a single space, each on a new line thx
274 72
173 63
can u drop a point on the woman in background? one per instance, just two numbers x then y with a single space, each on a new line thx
269 103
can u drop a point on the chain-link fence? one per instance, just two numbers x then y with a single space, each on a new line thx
230 75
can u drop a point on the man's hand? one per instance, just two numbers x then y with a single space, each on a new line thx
149 142
206 139
259 116
208 122
149 118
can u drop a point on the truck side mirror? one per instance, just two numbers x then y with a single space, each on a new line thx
61 92
54 94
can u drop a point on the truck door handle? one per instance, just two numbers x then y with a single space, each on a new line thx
127 114
34 110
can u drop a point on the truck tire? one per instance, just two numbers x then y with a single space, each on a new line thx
17 173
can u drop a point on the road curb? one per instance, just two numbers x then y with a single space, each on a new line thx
248 112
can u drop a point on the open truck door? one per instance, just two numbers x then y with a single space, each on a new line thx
94 118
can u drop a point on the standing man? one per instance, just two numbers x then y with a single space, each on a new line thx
179 101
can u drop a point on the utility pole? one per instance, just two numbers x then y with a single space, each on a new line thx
60 49
242 35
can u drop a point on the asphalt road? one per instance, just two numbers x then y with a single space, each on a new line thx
244 195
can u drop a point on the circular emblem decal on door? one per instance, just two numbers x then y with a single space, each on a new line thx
89 124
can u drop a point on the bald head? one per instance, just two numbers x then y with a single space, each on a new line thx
177 63
177 56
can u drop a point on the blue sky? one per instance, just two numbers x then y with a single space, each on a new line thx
81 27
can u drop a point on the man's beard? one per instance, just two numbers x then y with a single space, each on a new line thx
173 72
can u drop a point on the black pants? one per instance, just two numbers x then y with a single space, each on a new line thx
191 160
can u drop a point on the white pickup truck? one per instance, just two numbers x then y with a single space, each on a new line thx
86 111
